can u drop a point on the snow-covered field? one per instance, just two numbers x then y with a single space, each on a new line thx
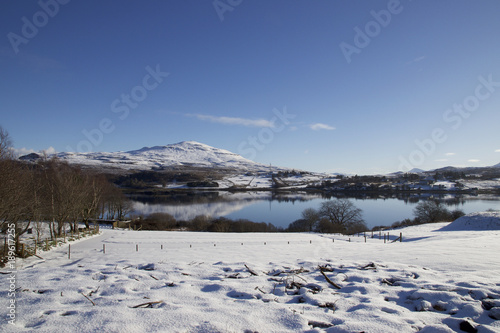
434 281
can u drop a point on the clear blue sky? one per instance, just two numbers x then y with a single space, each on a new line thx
368 86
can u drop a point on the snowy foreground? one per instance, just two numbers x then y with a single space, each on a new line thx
434 281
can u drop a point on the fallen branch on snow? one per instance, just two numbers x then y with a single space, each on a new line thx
328 279
91 301
146 305
251 271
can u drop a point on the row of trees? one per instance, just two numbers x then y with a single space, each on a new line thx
52 191
430 211
165 221
342 216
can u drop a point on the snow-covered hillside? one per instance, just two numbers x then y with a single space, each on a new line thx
186 153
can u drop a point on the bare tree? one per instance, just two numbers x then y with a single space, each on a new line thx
343 215
5 145
431 211
311 217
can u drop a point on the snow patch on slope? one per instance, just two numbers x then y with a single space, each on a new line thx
475 221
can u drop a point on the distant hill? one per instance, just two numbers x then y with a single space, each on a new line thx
186 153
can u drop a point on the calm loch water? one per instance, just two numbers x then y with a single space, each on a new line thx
284 208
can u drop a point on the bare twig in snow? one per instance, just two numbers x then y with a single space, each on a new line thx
146 305
91 301
328 280
251 271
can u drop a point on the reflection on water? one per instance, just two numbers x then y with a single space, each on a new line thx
282 208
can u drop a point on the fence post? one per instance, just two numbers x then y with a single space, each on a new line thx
136 247
104 248
400 237
69 251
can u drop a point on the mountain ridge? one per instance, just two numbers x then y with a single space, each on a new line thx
184 153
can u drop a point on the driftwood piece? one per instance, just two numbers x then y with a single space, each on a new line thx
328 279
251 271
146 305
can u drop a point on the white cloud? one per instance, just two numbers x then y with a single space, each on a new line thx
450 154
234 120
320 126
441 160
497 151
49 151
418 59
25 151
474 161
22 151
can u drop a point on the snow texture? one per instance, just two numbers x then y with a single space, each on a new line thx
433 281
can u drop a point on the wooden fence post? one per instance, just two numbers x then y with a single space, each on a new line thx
104 248
400 237
69 251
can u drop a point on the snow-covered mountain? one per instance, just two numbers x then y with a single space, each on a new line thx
186 153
